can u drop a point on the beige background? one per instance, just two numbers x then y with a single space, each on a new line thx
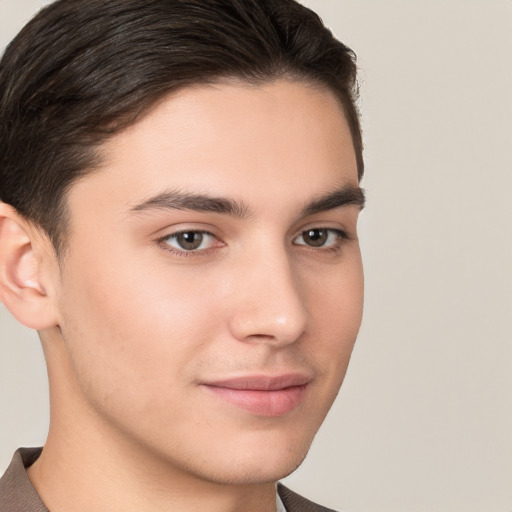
424 421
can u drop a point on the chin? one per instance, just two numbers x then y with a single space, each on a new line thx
252 472
258 464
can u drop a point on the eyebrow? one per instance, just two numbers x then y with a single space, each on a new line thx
344 196
177 200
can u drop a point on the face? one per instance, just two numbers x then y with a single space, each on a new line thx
212 291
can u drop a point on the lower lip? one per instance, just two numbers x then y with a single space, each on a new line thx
262 403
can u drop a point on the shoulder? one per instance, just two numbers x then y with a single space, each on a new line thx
16 491
293 502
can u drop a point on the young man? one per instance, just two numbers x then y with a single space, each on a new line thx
180 192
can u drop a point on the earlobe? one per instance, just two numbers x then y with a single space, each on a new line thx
21 288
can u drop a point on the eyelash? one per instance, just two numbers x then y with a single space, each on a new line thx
341 238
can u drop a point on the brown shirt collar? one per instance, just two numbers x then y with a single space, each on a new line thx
17 494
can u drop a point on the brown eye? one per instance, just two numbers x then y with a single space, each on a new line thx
188 241
324 238
315 237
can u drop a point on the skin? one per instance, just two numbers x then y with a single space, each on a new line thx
133 325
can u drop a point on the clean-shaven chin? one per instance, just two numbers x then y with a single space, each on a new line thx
261 395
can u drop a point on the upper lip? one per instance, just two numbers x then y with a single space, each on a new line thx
262 382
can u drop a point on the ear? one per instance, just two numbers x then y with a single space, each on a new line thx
25 284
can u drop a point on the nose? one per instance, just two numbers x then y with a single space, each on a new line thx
268 306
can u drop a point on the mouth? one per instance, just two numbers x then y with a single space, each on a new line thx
262 395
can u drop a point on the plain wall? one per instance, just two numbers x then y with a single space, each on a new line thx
424 419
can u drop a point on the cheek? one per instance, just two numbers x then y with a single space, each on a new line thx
335 303
133 332
335 298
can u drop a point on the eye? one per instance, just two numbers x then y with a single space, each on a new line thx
190 241
321 237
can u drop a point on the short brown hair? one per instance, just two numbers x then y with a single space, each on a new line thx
81 71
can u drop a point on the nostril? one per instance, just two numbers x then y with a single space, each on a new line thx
261 327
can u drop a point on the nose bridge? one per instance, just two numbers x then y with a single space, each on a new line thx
268 305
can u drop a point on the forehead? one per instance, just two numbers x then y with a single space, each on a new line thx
231 139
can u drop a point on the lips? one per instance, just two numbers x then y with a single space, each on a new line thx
262 395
